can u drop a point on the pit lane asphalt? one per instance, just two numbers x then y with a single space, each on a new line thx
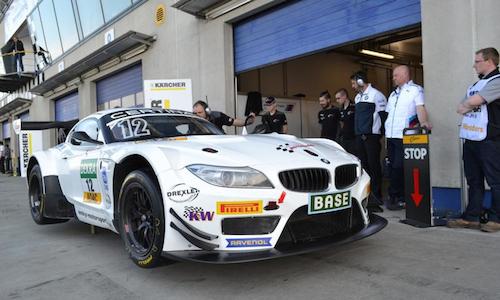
64 261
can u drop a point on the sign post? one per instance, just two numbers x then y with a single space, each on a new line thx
417 177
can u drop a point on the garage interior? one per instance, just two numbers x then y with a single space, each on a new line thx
297 82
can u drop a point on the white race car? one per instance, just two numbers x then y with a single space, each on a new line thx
173 185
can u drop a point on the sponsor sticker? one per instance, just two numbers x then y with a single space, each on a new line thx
416 139
92 197
249 242
239 208
195 213
323 203
88 168
182 193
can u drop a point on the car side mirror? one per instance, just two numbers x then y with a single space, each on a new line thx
82 136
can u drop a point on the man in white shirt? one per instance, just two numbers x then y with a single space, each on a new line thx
405 109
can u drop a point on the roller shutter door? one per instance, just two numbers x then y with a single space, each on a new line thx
309 26
120 89
67 107
5 130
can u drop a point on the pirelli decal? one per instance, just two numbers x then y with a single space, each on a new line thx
416 139
239 208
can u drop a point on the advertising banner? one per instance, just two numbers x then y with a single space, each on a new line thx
29 142
169 94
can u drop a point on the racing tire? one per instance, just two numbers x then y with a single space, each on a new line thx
142 221
36 199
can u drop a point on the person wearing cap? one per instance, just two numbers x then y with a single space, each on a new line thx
219 119
274 120
368 126
328 117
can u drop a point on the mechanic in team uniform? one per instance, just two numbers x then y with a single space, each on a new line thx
347 138
219 119
328 117
370 115
405 109
274 120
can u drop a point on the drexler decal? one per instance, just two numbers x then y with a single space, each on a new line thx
239 208
252 242
195 213
183 193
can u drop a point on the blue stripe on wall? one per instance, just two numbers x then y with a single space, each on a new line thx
447 201
308 26
5 130
67 107
122 84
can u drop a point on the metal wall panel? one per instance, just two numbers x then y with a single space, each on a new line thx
308 26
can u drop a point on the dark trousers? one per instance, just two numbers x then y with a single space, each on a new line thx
19 62
2 167
396 172
349 145
481 160
368 149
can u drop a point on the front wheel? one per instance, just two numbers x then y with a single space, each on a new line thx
142 225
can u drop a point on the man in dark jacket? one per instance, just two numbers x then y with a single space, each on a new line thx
18 51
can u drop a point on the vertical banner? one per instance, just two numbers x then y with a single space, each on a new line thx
168 94
29 142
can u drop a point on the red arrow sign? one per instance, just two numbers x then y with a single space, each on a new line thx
416 196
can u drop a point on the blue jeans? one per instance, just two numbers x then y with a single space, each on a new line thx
481 160
19 62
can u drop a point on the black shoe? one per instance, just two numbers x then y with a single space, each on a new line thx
375 209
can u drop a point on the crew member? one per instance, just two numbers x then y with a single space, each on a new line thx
405 109
368 120
274 120
219 119
328 117
481 130
346 135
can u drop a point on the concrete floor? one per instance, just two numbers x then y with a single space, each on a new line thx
64 261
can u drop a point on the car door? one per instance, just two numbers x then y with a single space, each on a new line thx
80 161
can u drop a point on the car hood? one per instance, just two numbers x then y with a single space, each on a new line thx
250 150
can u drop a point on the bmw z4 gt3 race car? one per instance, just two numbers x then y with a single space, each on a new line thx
173 185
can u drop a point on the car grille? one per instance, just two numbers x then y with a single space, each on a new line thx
302 228
249 225
305 180
345 176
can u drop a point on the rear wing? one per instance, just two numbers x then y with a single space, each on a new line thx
63 128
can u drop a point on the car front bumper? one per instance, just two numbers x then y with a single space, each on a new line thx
376 224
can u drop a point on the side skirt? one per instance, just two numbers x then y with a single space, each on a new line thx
56 205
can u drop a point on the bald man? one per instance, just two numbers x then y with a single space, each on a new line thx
405 109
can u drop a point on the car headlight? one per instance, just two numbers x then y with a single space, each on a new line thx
233 177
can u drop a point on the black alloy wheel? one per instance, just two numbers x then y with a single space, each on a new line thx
141 219
36 199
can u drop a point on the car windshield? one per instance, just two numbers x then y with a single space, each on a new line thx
141 127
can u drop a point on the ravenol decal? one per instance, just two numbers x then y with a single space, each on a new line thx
88 168
92 197
239 208
194 213
249 242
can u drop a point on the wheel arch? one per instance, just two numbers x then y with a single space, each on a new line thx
122 169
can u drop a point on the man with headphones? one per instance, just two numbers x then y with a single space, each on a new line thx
405 109
219 119
370 114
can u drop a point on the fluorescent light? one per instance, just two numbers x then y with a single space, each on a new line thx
225 8
377 54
